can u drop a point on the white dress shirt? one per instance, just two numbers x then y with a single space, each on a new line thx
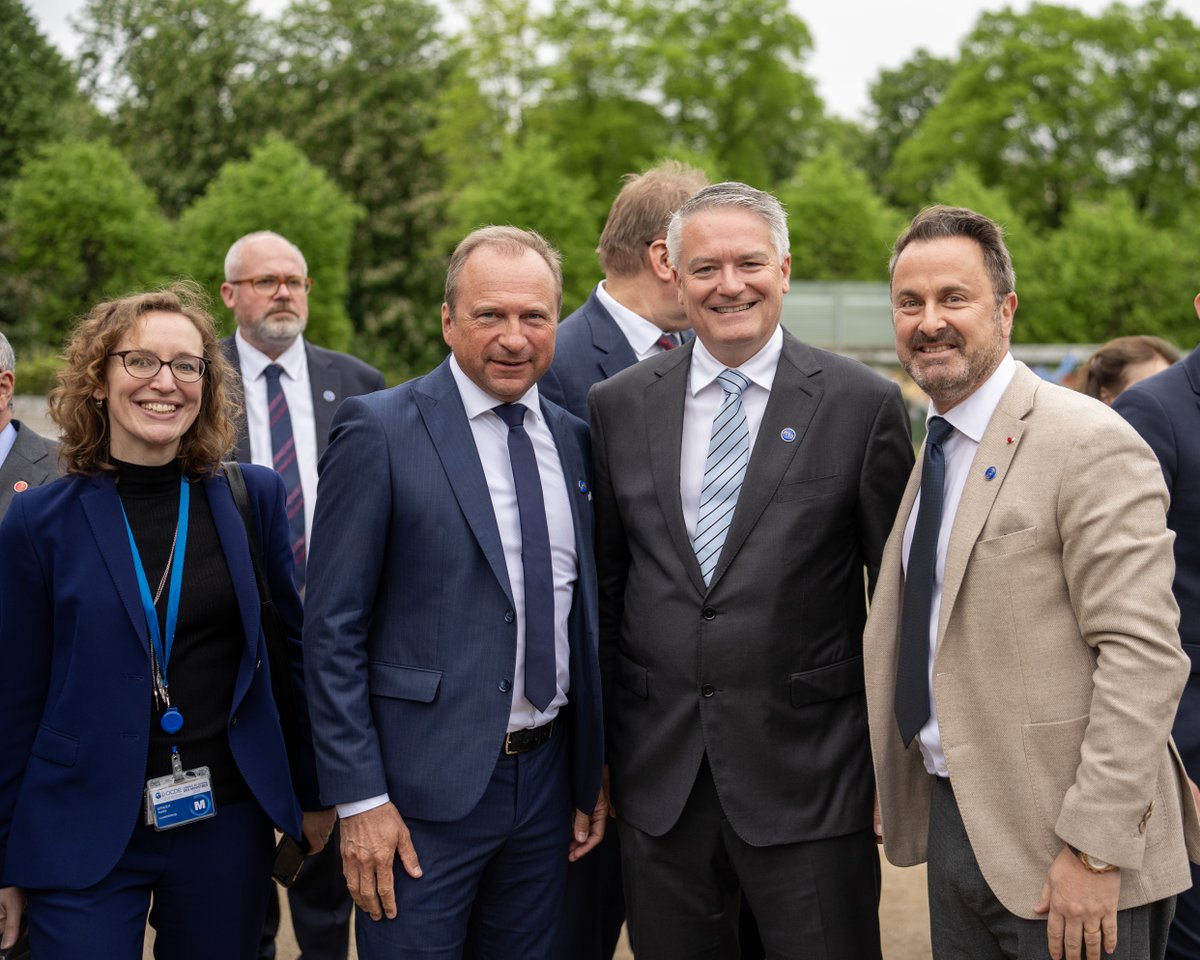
8 437
700 406
640 332
969 420
297 390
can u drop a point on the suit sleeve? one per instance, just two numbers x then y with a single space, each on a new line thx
1145 412
26 644
886 466
1118 564
346 559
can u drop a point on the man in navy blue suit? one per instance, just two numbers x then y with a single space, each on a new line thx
1165 410
634 312
451 629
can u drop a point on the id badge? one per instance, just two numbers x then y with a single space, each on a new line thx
180 799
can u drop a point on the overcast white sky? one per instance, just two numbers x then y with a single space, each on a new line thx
853 39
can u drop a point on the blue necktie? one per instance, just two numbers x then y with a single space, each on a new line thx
283 458
541 675
912 668
724 471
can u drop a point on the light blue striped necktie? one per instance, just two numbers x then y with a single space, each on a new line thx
724 470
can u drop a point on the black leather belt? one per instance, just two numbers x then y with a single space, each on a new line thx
521 740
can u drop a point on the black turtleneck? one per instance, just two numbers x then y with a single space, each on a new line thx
209 638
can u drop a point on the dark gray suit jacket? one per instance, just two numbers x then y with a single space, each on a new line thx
334 377
33 459
762 670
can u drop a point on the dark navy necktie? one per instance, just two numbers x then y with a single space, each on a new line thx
540 672
283 458
912 668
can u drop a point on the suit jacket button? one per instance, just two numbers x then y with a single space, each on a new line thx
233 722
505 686
708 613
509 616
707 690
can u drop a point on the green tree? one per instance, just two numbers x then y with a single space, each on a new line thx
83 228
529 188
1058 107
1106 273
356 92
173 75
840 229
38 99
277 189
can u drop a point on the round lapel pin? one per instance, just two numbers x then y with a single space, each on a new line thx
787 434
20 486
583 487
329 395
989 473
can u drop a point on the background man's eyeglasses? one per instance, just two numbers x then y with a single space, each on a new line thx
266 286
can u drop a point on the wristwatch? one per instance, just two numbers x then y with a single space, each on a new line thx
1095 864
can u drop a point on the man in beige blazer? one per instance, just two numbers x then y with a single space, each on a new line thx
1022 658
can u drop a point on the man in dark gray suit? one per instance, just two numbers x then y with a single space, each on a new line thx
743 484
266 286
634 312
26 459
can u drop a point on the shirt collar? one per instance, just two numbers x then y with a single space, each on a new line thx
640 332
760 368
8 438
972 416
254 361
477 401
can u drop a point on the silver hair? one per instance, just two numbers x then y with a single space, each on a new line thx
736 195
7 360
234 257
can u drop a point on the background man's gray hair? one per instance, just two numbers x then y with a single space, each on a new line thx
7 360
940 222
738 196
233 259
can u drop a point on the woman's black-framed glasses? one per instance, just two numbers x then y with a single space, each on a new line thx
144 365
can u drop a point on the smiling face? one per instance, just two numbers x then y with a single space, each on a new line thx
951 334
505 317
148 418
731 281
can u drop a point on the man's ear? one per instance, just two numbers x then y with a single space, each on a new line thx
660 260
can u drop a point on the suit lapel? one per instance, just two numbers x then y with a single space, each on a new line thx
575 475
1191 367
615 352
102 507
28 460
242 452
999 445
325 381
663 412
445 418
795 396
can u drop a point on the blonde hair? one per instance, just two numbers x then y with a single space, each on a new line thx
84 422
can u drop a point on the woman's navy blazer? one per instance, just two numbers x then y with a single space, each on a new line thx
75 677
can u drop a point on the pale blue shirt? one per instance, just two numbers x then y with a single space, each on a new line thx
8 437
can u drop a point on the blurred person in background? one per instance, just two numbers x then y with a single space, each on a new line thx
26 459
1122 362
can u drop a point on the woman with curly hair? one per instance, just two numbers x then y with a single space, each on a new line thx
143 765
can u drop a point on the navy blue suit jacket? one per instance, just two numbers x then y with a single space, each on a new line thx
410 639
589 347
1165 410
75 687
333 376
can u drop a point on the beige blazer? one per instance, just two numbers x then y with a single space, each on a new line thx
1058 665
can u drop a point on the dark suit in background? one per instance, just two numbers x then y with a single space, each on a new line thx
31 461
592 345
1165 410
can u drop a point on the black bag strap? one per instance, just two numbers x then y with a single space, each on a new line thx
277 642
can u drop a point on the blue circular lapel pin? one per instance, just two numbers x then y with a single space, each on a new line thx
989 473
583 487
329 395
787 434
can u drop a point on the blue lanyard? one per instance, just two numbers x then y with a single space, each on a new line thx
162 645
